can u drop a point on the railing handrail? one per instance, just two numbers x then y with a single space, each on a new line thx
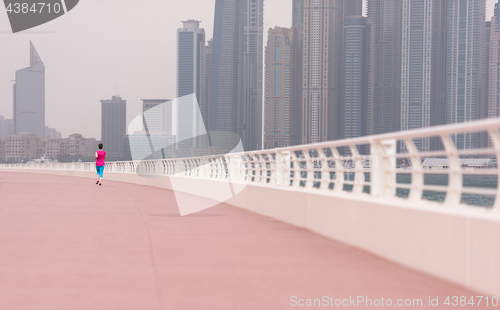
399 135
321 167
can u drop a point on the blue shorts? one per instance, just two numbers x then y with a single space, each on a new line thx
100 170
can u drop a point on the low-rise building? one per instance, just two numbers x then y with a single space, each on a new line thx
23 147
53 148
26 146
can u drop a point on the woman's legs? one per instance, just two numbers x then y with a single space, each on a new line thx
100 170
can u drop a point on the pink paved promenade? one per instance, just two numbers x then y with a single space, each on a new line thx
66 243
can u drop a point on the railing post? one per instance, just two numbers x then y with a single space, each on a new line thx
417 172
383 168
296 170
359 176
309 169
455 178
282 171
325 171
339 171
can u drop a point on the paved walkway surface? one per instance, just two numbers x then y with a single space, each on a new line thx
66 243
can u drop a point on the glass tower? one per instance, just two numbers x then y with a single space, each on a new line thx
253 61
113 125
226 93
386 16
422 66
190 83
281 108
358 77
464 64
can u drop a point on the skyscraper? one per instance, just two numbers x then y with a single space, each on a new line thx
205 103
358 77
226 94
282 104
151 137
29 97
386 16
482 137
494 66
190 62
253 60
298 25
464 64
151 103
8 127
321 70
422 87
160 118
353 8
297 15
191 77
319 25
113 125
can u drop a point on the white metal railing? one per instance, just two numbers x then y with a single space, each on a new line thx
360 166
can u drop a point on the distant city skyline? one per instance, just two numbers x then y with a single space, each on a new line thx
135 56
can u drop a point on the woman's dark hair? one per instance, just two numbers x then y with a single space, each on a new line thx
100 146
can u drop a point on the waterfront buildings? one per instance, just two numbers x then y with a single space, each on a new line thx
24 147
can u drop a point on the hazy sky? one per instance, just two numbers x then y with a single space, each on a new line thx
103 43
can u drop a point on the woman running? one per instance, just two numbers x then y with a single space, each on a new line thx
100 156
